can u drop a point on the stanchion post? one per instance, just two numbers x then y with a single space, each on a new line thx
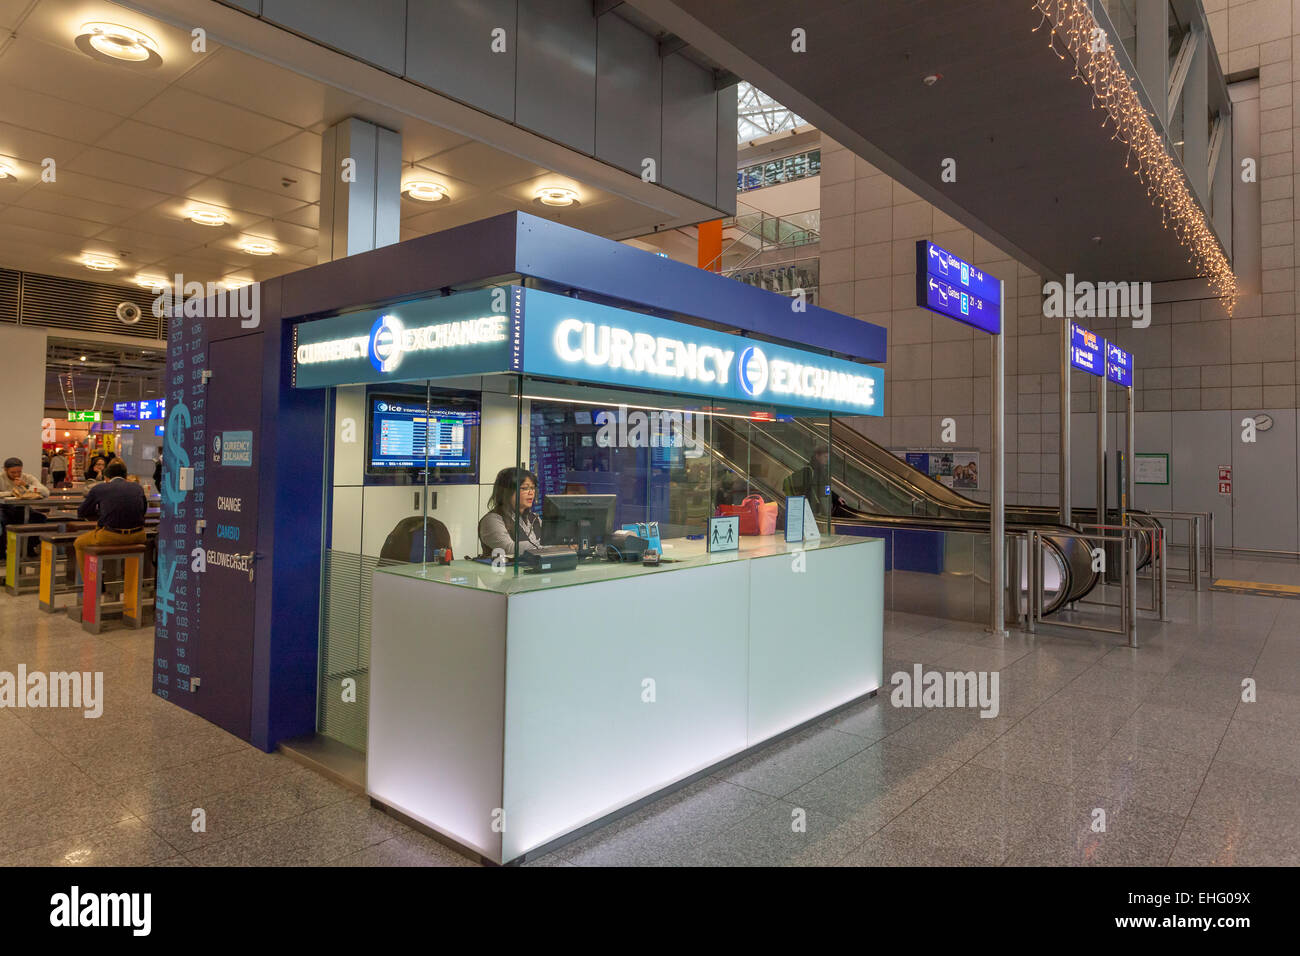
1064 476
1209 545
1031 542
1132 546
1194 552
997 508
1101 450
1164 576
1130 484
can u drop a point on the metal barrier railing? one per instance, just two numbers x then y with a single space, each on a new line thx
1126 538
1200 536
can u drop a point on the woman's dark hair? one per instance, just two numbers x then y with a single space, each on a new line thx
505 490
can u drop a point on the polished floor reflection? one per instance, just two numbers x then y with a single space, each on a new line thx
1100 755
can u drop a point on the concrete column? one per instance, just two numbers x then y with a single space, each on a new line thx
360 201
1153 54
24 372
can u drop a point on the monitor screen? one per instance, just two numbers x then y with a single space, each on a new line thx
584 520
408 435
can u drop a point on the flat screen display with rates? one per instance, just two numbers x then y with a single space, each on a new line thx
408 434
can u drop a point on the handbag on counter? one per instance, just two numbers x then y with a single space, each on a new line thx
756 515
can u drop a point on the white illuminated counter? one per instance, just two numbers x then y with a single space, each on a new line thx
508 710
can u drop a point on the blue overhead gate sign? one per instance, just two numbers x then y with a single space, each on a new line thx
955 288
1086 350
1119 365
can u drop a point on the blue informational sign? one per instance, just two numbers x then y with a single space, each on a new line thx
151 410
471 333
1086 350
233 448
956 289
1119 365
574 339
557 336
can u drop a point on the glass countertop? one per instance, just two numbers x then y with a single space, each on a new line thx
679 555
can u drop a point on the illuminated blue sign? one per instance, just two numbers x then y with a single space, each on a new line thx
573 339
557 336
1119 365
1086 350
955 288
470 333
153 409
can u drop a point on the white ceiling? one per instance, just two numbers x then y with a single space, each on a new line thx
136 148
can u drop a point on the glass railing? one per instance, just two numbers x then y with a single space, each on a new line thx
786 277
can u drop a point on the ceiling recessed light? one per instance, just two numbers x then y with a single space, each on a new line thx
208 217
99 263
7 171
151 282
424 190
83 358
257 247
116 43
557 196
231 283
931 78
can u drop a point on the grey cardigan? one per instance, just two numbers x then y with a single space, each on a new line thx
495 531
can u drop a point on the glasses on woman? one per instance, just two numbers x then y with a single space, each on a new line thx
523 488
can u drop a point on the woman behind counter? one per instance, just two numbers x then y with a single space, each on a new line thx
511 508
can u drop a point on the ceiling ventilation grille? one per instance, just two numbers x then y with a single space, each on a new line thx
9 295
61 303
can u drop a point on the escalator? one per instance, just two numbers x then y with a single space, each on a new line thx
875 492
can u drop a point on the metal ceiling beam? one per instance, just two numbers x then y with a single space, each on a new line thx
670 44
1216 143
1182 63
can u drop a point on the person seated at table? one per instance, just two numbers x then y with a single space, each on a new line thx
95 472
118 506
17 485
511 508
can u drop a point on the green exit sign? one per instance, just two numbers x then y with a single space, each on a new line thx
83 416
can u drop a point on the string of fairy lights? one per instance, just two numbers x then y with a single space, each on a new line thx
1096 66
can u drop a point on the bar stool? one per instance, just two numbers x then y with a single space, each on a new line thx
54 545
93 605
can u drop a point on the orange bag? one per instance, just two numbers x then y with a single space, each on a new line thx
756 515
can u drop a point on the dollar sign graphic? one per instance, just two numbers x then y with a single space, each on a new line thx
175 457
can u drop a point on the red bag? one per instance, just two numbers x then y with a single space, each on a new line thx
749 511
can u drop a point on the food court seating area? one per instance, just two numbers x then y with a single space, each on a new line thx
117 589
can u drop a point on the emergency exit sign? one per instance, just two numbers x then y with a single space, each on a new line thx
83 416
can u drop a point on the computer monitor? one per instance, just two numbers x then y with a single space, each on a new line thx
409 435
584 520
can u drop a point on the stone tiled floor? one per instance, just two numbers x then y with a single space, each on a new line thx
1157 737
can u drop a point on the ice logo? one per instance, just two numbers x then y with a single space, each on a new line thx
386 343
752 370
